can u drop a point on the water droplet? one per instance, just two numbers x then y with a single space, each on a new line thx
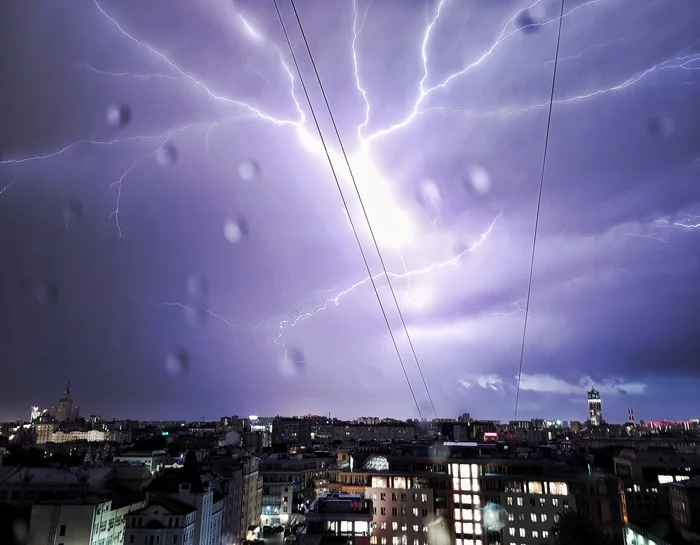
494 517
72 212
249 171
293 363
177 362
438 533
195 316
197 287
46 293
479 180
167 154
429 193
118 115
235 230
660 127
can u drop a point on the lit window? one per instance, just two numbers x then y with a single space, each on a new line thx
522 532
511 517
384 525
543 517
475 485
416 541
456 498
404 527
464 470
475 470
465 485
394 525
534 487
555 502
455 484
545 534
425 529
477 500
519 501
510 500
467 499
415 511
383 540
466 514
477 515
477 528
415 527
535 534
511 531
458 514
458 541
423 498
455 470
395 540
373 540
533 517
458 527
477 542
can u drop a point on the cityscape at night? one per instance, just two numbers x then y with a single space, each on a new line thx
376 272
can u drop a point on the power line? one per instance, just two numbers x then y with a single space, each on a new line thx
342 196
539 205
362 204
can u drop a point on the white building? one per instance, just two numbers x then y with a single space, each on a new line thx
87 521
154 460
163 521
92 436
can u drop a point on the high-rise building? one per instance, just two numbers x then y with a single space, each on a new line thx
35 414
65 411
595 408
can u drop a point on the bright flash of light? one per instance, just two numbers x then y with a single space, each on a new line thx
392 225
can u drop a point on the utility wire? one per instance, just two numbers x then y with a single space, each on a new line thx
362 205
342 196
539 206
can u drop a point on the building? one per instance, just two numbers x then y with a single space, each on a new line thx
154 460
34 414
684 506
187 487
163 521
406 486
595 408
291 431
289 485
70 436
65 410
340 516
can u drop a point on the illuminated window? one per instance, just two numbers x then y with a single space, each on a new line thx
458 527
477 515
455 484
415 527
545 534
373 540
464 470
465 485
416 541
455 470
477 499
466 514
475 470
415 511
424 498
475 485
467 499
404 527
425 529
458 541
535 534
511 517
558 489
346 526
534 487
509 501
555 502
477 528
383 540
543 502
458 514
384 525
521 532
395 540
543 517
394 525
511 531
456 498
468 528
533 517
519 501
361 526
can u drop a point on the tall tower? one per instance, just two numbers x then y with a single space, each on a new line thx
595 407
65 411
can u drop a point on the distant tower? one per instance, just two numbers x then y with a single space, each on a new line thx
630 416
65 411
595 407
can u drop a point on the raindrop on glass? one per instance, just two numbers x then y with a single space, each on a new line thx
494 517
197 287
235 230
293 362
118 115
195 316
72 213
529 20
430 193
660 127
249 171
479 180
177 362
438 533
46 293
167 154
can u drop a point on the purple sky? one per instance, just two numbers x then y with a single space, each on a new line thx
110 232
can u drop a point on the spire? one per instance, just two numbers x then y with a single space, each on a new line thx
68 389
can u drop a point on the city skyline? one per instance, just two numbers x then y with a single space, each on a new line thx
171 228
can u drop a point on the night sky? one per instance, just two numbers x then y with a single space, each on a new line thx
170 227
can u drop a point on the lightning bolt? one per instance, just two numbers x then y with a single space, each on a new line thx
363 155
7 186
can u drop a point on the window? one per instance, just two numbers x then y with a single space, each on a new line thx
415 511
533 517
383 510
383 525
394 511
519 501
543 502
403 511
374 510
555 502
425 512
532 502
383 496
545 534
131 539
511 531
383 540
394 525
393 497
543 517
423 498
521 516
511 517
62 530
174 539
535 534
509 501
403 497
415 527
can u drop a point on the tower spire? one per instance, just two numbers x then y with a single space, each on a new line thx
68 389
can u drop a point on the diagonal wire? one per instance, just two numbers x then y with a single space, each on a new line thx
342 196
362 204
537 213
